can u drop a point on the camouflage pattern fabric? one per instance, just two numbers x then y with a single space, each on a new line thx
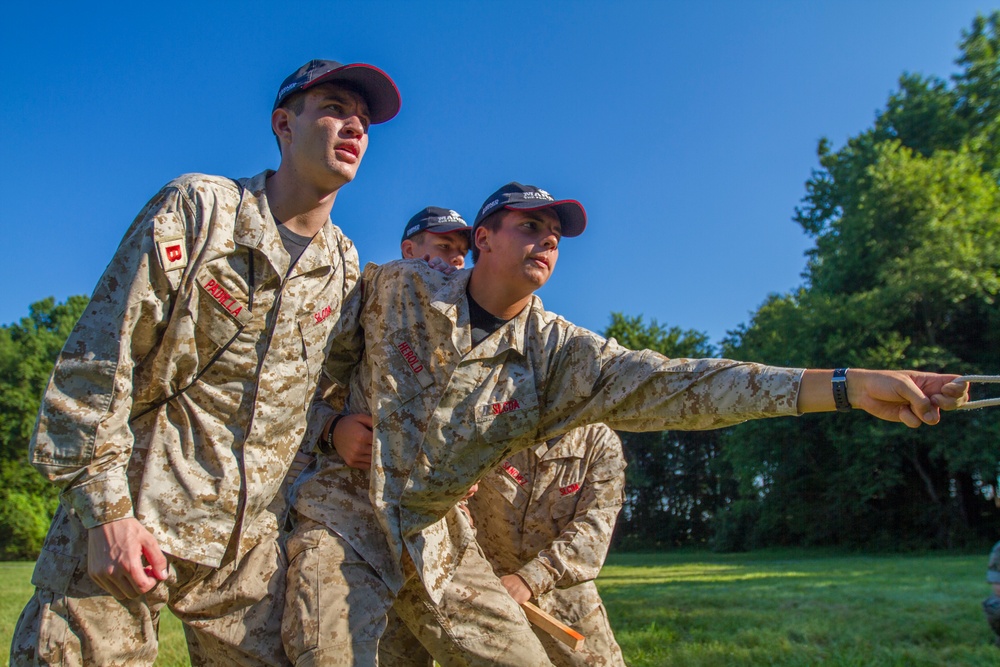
200 472
547 514
337 608
991 605
231 614
335 602
446 413
993 565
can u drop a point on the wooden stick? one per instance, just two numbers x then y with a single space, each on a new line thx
553 626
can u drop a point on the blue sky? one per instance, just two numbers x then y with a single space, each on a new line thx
687 129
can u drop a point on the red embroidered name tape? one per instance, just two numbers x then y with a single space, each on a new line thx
410 356
225 299
514 473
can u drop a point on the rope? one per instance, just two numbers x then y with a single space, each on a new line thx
984 402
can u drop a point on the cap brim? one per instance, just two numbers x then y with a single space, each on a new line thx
572 216
375 86
449 228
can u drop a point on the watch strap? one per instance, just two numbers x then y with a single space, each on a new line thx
840 390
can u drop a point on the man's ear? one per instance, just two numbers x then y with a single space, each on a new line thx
482 239
407 248
280 124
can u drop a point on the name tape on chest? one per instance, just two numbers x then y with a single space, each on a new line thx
569 490
322 314
415 364
173 253
514 473
234 308
500 408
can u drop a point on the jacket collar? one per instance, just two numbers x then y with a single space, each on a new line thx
256 228
450 300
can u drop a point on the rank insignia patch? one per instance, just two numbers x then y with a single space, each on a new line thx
173 253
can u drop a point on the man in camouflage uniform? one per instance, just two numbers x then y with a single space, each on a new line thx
544 519
436 232
460 372
179 401
991 605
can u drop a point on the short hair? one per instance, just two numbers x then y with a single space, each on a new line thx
415 238
490 222
295 103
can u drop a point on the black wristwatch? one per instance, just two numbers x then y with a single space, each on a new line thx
326 444
840 390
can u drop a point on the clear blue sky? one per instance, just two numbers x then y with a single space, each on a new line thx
687 129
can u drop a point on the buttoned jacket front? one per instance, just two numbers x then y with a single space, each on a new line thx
174 311
446 412
547 514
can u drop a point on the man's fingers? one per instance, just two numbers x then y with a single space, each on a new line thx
947 402
919 404
953 396
140 578
956 389
115 553
157 561
907 417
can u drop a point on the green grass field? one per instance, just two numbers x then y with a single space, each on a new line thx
772 608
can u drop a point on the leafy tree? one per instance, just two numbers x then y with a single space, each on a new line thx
905 272
28 350
676 481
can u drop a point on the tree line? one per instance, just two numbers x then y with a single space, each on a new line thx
904 272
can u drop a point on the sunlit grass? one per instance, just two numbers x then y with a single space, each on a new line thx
798 609
788 609
16 589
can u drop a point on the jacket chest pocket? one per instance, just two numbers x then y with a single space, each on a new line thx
499 485
400 373
315 334
220 315
565 505
507 418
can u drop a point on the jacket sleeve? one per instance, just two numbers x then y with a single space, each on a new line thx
82 440
578 553
346 348
592 380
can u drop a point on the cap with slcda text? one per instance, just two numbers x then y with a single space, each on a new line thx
517 197
435 220
374 85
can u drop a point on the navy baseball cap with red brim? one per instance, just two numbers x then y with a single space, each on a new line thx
435 220
517 197
374 85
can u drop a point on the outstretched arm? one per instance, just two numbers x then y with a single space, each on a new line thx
910 397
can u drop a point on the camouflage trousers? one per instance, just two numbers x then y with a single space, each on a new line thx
337 608
231 614
401 648
991 607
